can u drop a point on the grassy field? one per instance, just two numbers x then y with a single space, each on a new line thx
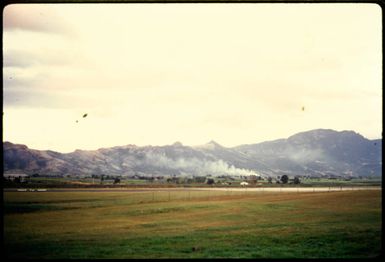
192 225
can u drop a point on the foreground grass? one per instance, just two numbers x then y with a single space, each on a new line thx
139 225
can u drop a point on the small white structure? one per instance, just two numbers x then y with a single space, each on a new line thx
244 184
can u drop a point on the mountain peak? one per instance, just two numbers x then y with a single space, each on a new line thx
211 145
177 143
321 134
7 144
314 133
212 142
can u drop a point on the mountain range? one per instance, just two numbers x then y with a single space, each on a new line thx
320 152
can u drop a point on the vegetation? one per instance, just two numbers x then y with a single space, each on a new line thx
116 180
36 180
192 224
284 179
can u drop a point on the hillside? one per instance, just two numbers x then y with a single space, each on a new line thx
320 152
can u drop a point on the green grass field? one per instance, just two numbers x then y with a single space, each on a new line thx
192 225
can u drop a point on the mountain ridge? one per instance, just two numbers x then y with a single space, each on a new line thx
319 152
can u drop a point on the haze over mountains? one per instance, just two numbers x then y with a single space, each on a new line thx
320 152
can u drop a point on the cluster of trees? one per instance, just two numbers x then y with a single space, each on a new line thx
107 177
284 180
147 177
187 180
227 177
296 180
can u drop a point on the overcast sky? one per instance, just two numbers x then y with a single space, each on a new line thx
153 74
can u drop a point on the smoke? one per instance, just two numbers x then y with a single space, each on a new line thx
305 156
195 166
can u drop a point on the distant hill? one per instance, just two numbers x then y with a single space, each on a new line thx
320 152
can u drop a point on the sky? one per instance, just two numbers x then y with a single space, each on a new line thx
154 74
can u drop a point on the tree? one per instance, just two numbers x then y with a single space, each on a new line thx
270 180
116 180
200 179
284 179
296 180
210 181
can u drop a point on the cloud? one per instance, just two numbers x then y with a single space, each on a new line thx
25 59
38 98
36 18
15 59
305 155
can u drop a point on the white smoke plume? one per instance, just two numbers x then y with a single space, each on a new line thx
196 166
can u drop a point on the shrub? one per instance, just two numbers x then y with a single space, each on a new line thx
284 179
